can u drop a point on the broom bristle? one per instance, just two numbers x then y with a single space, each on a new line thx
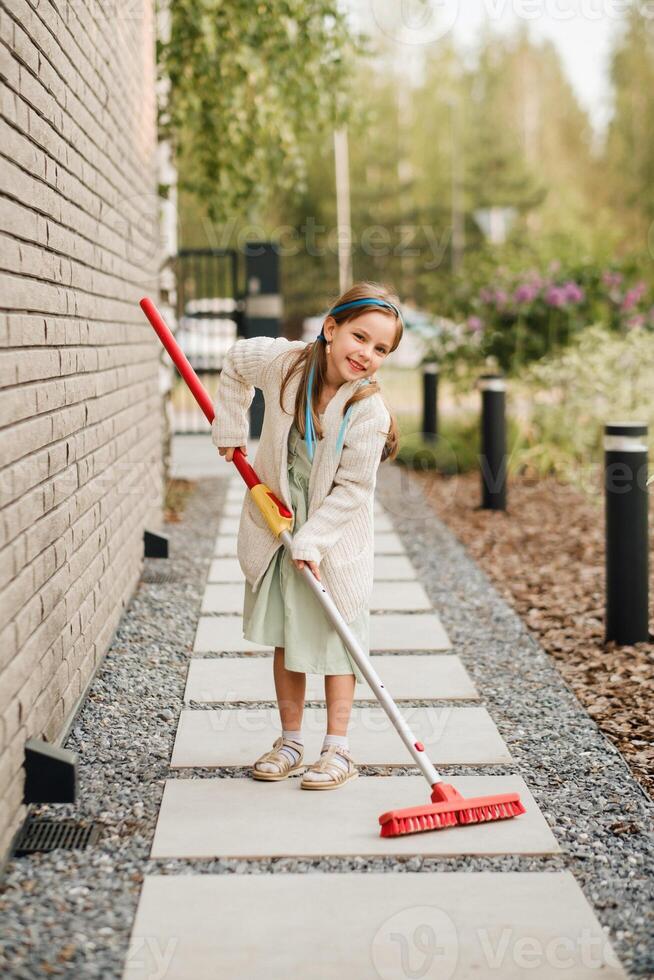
453 811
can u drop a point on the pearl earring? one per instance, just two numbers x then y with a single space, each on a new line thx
329 348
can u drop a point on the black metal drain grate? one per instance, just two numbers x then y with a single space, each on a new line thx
39 834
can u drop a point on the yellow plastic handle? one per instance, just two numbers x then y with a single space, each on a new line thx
277 515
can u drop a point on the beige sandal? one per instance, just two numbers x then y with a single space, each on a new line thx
281 759
338 775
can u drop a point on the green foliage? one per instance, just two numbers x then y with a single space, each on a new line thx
525 143
508 126
500 168
629 157
250 82
457 447
256 89
556 412
601 377
454 451
401 160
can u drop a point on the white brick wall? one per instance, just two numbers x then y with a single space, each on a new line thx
80 410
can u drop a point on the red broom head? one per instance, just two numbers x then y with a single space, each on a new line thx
449 809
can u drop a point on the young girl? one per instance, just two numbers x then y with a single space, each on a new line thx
326 428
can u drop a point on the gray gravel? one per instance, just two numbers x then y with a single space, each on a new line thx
71 913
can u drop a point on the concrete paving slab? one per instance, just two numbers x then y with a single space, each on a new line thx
394 568
223 597
483 925
408 631
223 634
193 455
225 546
388 543
225 570
228 679
388 631
451 734
386 597
382 522
228 525
399 597
210 818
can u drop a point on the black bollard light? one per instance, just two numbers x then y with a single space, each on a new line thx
430 401
627 545
493 441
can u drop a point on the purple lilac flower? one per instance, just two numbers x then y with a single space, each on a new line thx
475 324
633 296
501 298
555 296
525 293
634 322
486 295
574 293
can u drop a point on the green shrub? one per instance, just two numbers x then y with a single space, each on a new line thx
602 377
455 450
556 411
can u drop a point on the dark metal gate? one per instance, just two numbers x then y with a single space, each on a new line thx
210 304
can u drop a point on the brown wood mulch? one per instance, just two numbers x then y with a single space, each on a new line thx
545 556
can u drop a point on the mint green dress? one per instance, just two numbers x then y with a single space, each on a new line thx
284 612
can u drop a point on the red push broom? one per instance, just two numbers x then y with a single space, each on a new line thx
447 808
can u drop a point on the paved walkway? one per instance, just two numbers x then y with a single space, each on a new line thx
403 917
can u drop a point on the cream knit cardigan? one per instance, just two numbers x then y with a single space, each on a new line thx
338 532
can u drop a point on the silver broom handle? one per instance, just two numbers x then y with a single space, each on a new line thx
372 677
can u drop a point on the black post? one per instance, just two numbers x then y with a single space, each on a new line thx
430 401
263 308
493 441
627 545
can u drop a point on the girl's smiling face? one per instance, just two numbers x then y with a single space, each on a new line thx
358 347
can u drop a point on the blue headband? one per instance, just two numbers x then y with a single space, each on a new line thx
309 429
368 301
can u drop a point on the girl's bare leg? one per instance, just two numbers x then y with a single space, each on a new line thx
339 694
290 686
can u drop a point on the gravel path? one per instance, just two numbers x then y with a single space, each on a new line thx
71 913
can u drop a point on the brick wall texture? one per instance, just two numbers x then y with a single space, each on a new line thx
81 470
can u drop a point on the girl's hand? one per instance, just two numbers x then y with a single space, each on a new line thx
228 451
299 562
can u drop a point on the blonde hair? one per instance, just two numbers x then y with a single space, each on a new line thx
314 355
